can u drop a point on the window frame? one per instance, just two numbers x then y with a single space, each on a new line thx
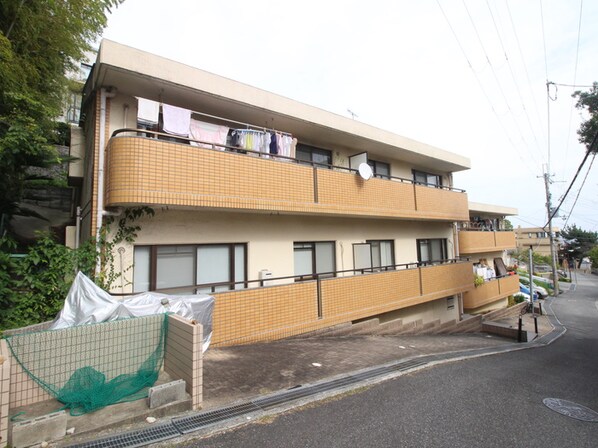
315 274
437 176
381 268
153 264
374 165
443 248
311 150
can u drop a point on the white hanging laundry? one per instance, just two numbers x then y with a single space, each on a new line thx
177 120
147 111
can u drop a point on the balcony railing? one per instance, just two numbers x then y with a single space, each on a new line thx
267 312
143 170
491 291
480 241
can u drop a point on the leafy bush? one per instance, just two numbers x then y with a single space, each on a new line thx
518 298
33 288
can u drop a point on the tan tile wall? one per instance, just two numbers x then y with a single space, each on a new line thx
436 203
263 314
4 392
446 279
491 291
481 295
150 171
183 358
509 285
369 294
471 242
505 240
350 193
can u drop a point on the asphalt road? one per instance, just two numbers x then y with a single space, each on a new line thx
494 401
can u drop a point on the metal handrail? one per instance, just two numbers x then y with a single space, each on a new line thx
320 276
220 147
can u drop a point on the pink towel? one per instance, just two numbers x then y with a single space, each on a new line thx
208 132
176 120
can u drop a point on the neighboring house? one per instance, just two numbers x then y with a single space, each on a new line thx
538 238
485 241
289 237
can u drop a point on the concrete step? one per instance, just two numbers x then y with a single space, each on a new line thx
364 326
445 327
470 325
411 327
428 327
389 328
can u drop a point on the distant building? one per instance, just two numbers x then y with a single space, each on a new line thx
537 238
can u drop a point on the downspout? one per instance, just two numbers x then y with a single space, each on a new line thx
457 255
101 159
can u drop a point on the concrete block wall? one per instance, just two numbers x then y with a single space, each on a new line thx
4 392
183 357
54 355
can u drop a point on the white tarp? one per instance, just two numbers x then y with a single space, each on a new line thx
87 303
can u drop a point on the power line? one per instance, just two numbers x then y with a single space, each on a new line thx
574 81
588 152
580 188
529 83
514 78
481 86
502 92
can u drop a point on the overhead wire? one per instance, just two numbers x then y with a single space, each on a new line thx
481 85
498 83
574 81
580 188
588 152
529 83
514 79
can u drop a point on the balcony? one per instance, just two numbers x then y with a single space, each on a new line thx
275 312
471 242
491 291
156 172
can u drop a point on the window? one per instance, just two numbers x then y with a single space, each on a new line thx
380 169
421 177
431 250
383 254
314 258
311 155
373 255
185 266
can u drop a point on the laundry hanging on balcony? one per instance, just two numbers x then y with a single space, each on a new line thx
177 120
148 112
208 133
273 143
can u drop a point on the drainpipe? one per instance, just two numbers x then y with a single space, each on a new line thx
457 254
104 93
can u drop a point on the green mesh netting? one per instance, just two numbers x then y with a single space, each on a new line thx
92 366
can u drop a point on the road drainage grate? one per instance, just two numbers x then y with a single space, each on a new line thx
133 439
571 409
196 422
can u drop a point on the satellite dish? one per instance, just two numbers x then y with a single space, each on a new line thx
365 171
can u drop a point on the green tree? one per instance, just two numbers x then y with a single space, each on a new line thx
578 242
40 41
593 254
588 129
508 224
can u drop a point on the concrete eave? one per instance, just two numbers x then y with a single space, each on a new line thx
490 209
143 74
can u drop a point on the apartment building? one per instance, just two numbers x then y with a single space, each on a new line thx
485 241
538 238
293 218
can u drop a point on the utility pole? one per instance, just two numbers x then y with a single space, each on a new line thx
555 278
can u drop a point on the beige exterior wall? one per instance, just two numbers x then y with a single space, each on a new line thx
270 237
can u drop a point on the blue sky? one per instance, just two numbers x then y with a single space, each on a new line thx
466 76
